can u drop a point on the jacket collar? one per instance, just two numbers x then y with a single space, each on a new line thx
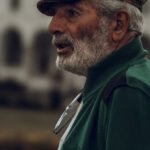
99 74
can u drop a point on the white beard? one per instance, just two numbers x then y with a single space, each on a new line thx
86 53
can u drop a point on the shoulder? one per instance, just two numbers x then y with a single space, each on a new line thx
138 76
135 78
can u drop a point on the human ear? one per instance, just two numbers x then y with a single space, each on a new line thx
119 26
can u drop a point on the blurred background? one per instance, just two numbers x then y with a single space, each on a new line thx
33 93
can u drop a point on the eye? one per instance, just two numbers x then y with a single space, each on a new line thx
72 13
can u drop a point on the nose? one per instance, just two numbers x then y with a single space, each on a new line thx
56 25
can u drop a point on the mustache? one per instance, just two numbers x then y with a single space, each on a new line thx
62 39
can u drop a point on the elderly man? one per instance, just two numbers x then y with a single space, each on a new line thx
100 39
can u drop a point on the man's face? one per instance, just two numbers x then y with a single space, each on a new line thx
79 35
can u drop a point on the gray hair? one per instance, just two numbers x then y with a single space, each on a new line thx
108 9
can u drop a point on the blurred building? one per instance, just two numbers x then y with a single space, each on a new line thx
27 58
29 80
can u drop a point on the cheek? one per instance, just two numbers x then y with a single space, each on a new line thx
86 30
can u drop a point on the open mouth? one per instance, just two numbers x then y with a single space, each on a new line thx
63 47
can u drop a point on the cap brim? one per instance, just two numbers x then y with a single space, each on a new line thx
45 6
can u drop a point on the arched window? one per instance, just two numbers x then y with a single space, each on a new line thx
12 47
146 41
41 52
14 4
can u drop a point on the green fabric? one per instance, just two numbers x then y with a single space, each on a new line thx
124 122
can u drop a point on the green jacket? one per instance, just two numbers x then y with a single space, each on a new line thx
117 117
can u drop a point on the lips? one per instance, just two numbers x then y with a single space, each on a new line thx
63 48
